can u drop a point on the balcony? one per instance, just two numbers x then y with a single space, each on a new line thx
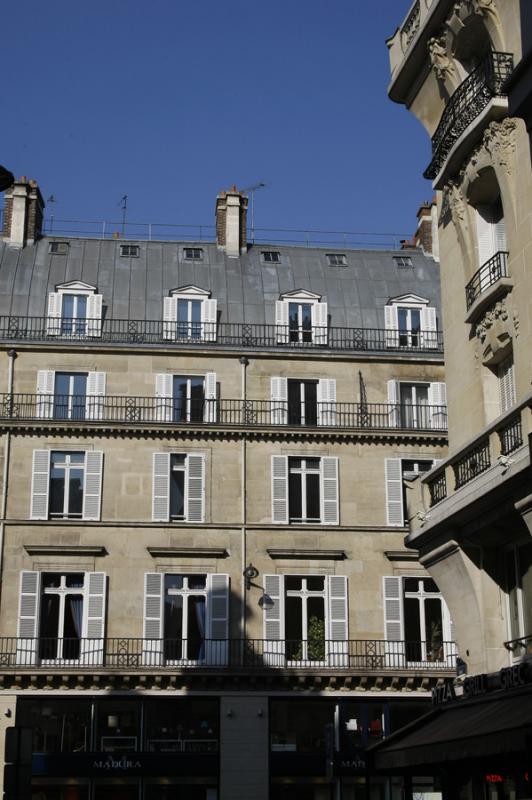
156 411
488 284
238 336
357 655
467 103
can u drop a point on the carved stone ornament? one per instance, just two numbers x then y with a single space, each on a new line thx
499 142
495 331
439 58
464 8
454 199
484 7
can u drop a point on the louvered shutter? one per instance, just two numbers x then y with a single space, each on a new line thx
92 485
274 644
45 393
338 620
506 377
499 235
164 390
319 316
169 317
485 234
281 322
93 641
161 487
95 401
210 398
394 410
53 323
209 318
28 618
40 484
391 325
280 490
279 401
326 395
329 490
429 331
153 634
216 650
394 492
393 620
94 315
438 405
195 490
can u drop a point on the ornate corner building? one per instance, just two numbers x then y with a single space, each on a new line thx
205 590
464 70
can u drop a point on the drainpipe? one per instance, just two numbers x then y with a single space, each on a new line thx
243 491
7 448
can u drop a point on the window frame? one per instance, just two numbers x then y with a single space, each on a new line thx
329 499
206 327
75 326
41 484
316 334
271 256
426 338
58 248
133 250
337 259
197 254
194 483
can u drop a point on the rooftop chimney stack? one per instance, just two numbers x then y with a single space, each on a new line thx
23 213
231 221
426 235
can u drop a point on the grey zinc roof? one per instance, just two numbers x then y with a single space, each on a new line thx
246 288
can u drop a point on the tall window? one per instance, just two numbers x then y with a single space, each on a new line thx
177 487
189 313
302 402
305 617
301 317
519 591
410 323
70 395
409 320
506 379
189 319
188 398
300 322
413 402
61 619
396 470
67 472
185 601
74 318
75 309
304 489
424 620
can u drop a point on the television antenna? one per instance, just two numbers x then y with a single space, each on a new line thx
123 205
252 190
52 201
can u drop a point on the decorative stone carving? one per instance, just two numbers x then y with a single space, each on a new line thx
499 142
454 200
484 8
495 332
439 58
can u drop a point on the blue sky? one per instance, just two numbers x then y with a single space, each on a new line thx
170 101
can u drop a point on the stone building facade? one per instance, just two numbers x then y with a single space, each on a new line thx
205 589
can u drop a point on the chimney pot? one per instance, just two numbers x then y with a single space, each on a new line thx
231 220
23 213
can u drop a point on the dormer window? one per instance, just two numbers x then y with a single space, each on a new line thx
271 256
193 253
74 310
129 250
58 248
190 314
410 323
337 259
301 318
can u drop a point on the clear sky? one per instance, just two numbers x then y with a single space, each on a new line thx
170 101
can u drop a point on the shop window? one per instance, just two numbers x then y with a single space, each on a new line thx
189 727
118 727
299 726
59 726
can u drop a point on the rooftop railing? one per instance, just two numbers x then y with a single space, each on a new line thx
223 334
79 409
176 654
489 273
484 83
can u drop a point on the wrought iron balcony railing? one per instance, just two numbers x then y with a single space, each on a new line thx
468 101
511 435
488 274
80 409
437 488
520 647
223 334
177 654
472 463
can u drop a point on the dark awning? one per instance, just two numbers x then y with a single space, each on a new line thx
478 728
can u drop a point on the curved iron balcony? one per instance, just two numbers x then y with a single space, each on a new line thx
111 410
488 274
468 101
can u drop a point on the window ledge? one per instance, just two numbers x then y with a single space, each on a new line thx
330 555
191 552
401 555
64 550
488 297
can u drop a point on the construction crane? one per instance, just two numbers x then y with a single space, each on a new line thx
252 190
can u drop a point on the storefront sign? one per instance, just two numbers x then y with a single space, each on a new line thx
352 763
124 764
506 679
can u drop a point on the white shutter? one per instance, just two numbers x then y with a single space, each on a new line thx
164 390
53 323
92 488
438 405
169 317
210 397
161 487
506 376
94 315
28 618
394 492
92 644
391 325
152 645
274 645
280 489
281 322
195 489
326 395
499 235
94 403
393 620
485 234
429 331
40 484
45 393
279 401
319 317
338 618
329 490
209 318
217 622
394 412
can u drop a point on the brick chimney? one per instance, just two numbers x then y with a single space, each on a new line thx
426 235
23 213
231 220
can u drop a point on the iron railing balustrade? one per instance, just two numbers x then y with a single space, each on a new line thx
488 274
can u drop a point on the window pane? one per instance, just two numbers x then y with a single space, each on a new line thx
196 319
402 318
311 407
306 315
180 398
75 498
411 584
315 633
512 589
294 628
173 626
294 500
434 629
313 497
196 399
74 580
316 583
525 569
196 628
72 625
293 316
173 582
182 311
177 494
57 490
293 582
197 581
294 402
75 458
429 585
415 317
68 305
412 620
51 580
81 309
49 615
